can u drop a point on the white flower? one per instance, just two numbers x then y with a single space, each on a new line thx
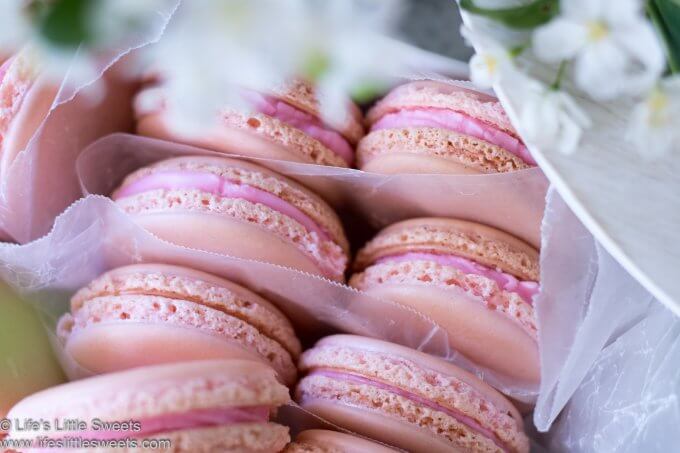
354 39
490 62
212 49
653 125
549 118
615 48
15 26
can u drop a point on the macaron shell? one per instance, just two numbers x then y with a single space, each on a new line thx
487 337
108 346
434 94
322 440
254 136
335 349
227 236
163 389
301 94
375 425
194 286
481 243
244 437
432 150
34 108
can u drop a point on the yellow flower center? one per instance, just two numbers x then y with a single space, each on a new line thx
491 63
657 103
597 30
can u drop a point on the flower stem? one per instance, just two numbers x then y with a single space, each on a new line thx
560 74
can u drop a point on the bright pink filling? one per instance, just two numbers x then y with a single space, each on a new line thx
199 418
458 415
217 185
525 289
307 123
456 122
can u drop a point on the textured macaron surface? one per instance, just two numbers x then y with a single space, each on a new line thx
325 441
165 398
244 192
442 120
180 297
488 264
302 95
413 388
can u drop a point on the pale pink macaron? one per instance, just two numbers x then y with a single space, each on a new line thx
147 314
285 124
437 127
236 208
326 441
476 282
406 398
222 405
26 97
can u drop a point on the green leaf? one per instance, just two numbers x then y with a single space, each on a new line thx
316 65
531 15
367 91
64 23
665 15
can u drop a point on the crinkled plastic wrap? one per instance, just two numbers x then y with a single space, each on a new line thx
94 235
609 351
41 181
628 400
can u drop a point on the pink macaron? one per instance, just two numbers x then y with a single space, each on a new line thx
436 127
476 282
147 314
223 405
26 98
324 441
285 124
236 208
406 398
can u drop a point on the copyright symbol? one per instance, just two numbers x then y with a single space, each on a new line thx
5 424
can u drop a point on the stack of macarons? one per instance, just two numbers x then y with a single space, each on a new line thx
419 127
285 124
205 362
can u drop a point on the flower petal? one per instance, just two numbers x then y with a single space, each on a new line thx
558 40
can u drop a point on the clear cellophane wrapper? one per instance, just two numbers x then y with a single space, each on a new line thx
90 103
606 347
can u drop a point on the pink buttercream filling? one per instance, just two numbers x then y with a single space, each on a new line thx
456 122
199 418
303 121
223 187
525 289
456 414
